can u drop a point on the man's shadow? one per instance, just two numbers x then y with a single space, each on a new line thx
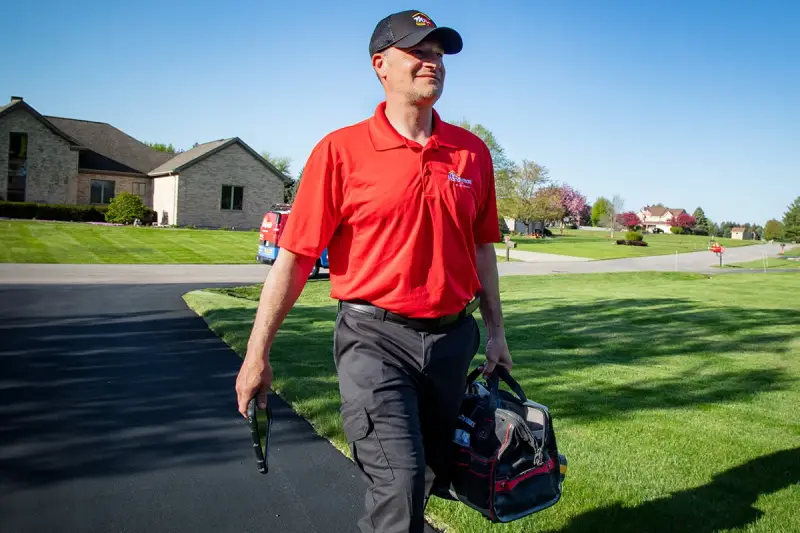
726 502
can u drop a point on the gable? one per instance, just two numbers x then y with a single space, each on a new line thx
20 112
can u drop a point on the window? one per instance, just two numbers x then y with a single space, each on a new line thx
140 188
232 197
102 191
17 167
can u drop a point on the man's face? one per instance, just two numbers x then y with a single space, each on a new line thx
417 73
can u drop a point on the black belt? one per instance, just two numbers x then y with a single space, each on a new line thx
414 323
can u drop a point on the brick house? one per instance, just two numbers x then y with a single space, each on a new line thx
55 160
658 217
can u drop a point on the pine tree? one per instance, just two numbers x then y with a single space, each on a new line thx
791 221
701 226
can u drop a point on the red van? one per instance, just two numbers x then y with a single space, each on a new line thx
270 234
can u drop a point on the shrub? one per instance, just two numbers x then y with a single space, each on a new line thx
631 243
677 230
67 213
634 236
125 208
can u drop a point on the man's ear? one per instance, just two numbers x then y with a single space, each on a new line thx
379 63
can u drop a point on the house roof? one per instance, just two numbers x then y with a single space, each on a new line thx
17 103
188 158
112 143
738 229
656 211
676 212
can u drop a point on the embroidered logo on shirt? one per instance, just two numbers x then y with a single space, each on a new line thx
421 19
455 178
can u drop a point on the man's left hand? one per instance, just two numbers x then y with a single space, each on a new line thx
497 354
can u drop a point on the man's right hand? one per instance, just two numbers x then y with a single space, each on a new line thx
254 379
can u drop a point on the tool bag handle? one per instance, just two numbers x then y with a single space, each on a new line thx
494 381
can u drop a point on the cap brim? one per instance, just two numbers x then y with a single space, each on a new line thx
449 38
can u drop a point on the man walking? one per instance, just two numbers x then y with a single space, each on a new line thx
405 204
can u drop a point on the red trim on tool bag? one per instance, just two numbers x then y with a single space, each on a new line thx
508 485
494 462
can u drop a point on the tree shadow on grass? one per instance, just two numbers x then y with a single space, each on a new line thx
727 502
550 343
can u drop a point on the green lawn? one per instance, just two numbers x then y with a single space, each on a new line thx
68 242
674 395
772 263
600 245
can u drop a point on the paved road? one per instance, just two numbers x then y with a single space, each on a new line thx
205 274
117 413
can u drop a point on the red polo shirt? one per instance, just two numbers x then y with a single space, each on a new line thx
400 220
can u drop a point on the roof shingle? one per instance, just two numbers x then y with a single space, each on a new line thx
110 142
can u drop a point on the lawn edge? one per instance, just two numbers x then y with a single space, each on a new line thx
434 521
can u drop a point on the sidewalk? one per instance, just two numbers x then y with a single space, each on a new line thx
538 257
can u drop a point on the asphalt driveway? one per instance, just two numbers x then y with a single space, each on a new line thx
118 413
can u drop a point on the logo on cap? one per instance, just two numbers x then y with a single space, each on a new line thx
421 19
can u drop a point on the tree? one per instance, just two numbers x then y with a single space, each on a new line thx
573 203
283 165
773 230
701 222
617 205
161 147
791 221
630 220
684 220
546 205
500 160
600 210
515 193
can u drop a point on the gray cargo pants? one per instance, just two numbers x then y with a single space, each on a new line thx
401 391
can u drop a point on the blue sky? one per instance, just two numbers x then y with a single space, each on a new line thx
681 102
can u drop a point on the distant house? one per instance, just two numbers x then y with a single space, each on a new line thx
741 234
658 217
55 160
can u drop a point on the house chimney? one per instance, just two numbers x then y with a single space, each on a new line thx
15 99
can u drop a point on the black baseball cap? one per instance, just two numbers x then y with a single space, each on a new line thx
407 28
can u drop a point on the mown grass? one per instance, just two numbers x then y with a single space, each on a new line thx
70 242
600 245
770 262
674 395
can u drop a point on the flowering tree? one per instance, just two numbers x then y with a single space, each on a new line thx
684 220
630 220
573 203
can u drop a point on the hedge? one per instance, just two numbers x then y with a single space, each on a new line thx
69 213
61 212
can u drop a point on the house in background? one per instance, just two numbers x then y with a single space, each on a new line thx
741 234
222 183
658 217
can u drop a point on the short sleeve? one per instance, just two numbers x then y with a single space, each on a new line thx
486 228
316 210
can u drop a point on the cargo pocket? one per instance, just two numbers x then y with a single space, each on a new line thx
365 444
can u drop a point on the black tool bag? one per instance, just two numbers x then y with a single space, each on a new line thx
505 461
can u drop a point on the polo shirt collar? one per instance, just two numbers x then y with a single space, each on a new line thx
385 137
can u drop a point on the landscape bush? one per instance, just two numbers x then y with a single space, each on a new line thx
677 230
60 212
631 243
125 208
634 236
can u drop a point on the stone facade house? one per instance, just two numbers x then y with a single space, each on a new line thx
658 217
222 183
